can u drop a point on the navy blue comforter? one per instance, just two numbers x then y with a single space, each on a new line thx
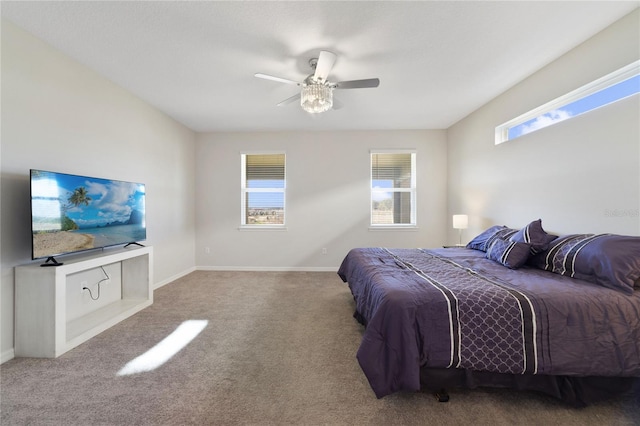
453 308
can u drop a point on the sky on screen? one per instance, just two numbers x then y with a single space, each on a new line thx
108 201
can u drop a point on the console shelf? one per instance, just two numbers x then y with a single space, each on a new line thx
51 315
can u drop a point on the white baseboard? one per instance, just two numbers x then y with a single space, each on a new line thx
173 278
7 355
270 268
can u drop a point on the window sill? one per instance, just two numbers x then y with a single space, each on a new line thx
262 228
405 228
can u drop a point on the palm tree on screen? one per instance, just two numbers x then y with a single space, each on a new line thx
79 196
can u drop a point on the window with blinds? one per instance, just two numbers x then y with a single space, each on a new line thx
393 188
263 189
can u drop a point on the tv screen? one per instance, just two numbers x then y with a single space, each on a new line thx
71 213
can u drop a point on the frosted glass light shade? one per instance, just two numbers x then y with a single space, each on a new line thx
315 98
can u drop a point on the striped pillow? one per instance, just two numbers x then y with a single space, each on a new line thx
483 241
511 254
536 236
609 260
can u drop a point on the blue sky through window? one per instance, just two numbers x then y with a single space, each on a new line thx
381 184
265 200
598 99
265 183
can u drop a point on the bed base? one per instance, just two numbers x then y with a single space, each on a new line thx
576 391
442 395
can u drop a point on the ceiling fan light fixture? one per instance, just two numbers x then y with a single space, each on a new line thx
316 98
316 94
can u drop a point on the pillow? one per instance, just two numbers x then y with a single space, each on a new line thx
534 235
483 241
552 258
609 260
511 254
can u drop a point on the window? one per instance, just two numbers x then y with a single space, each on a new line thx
613 87
263 190
393 188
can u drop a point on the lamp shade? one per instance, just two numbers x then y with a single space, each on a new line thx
460 221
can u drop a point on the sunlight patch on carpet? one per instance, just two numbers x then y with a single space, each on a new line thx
165 349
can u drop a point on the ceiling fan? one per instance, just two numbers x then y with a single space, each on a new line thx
316 93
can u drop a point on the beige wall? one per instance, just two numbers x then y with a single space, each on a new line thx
58 115
581 175
327 203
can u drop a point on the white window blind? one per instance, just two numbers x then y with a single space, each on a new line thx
393 188
263 189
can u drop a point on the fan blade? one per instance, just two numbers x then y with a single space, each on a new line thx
324 65
290 100
358 84
278 79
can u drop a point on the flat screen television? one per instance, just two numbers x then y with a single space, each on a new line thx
71 213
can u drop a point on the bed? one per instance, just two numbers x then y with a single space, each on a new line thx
514 308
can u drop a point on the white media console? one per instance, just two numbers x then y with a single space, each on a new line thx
57 307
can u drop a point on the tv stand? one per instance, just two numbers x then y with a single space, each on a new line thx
51 261
53 314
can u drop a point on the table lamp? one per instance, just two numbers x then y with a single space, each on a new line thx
460 222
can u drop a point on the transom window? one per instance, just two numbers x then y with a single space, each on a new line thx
393 188
263 189
613 87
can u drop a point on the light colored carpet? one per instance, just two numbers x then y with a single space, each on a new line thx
279 348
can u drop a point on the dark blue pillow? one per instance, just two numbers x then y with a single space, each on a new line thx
536 236
511 254
609 260
483 241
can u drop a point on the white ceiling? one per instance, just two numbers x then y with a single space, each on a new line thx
437 60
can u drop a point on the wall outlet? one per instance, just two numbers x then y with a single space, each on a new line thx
207 250
324 250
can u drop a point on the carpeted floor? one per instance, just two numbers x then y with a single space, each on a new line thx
278 348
